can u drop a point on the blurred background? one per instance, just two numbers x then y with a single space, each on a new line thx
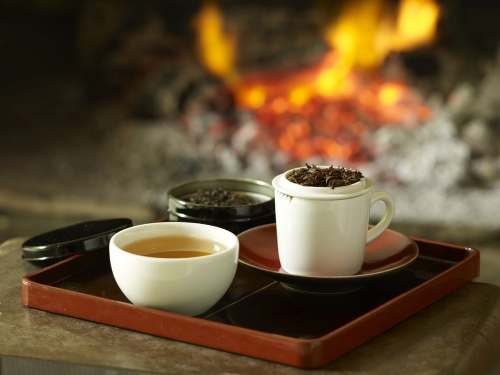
107 104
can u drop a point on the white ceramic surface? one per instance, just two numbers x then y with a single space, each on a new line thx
323 231
188 286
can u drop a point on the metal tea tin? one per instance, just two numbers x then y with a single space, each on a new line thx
235 218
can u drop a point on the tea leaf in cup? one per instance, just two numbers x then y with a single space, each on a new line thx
331 177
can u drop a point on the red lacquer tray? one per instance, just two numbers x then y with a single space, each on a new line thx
258 317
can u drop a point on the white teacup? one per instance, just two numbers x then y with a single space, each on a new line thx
188 286
323 231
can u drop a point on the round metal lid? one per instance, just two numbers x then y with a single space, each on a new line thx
75 239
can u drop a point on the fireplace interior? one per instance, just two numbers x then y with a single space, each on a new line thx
106 104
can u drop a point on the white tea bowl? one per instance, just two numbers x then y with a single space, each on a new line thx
188 286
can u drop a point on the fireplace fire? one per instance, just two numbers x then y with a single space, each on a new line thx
260 88
327 110
324 110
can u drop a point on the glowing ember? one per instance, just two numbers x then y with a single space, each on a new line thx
326 109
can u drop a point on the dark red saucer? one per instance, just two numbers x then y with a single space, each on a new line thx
386 255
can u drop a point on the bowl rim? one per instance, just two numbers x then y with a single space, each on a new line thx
233 247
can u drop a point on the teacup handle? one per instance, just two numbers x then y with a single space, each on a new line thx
382 225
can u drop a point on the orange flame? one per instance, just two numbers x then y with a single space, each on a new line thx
416 23
364 34
216 49
343 105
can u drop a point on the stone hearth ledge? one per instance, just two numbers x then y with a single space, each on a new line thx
459 334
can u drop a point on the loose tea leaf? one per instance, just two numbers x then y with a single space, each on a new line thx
221 197
331 177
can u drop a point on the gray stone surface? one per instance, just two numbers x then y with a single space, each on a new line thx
459 334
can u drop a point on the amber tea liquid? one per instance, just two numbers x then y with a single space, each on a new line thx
174 247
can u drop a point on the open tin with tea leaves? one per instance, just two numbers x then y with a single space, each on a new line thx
235 204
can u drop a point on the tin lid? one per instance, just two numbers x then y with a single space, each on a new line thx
74 239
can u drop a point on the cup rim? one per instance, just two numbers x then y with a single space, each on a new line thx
283 185
228 248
